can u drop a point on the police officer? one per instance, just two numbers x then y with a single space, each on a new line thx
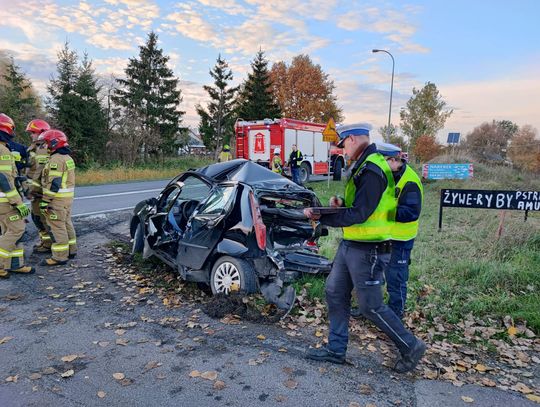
38 155
409 194
225 154
367 220
58 182
277 164
295 159
12 209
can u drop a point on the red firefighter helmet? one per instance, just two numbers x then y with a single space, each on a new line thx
36 127
55 139
7 125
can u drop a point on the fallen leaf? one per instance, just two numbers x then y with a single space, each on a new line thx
283 350
219 385
5 339
261 337
318 334
280 398
103 344
365 389
371 348
35 376
12 379
354 404
467 399
69 358
522 388
49 370
126 382
152 365
119 376
512 331
195 373
101 394
291 384
122 341
120 332
480 367
68 373
533 397
210 375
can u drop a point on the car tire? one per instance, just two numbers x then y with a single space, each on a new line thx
304 172
338 168
138 240
228 271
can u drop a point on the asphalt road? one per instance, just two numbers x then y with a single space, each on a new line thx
101 199
87 323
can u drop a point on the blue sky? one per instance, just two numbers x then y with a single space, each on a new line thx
483 55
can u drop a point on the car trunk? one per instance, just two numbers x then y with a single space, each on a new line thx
292 237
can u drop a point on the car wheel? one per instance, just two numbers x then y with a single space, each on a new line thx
232 274
138 240
338 167
304 172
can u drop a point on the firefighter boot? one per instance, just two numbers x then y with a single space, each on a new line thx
52 262
40 249
4 273
24 270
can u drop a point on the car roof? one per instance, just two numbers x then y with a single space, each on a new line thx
250 173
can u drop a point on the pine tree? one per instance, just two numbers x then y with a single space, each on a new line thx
256 100
89 114
217 120
18 99
150 90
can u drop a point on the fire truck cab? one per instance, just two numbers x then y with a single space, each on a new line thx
257 140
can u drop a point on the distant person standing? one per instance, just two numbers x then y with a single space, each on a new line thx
225 154
295 159
409 194
277 164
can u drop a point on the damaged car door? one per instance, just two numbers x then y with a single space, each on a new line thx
206 227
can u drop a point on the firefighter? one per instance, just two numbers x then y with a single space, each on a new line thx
20 155
58 183
277 164
225 154
295 158
367 219
409 194
38 157
12 209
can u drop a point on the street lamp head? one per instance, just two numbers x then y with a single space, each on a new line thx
375 50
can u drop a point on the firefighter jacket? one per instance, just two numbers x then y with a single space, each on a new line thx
38 155
225 156
58 178
277 165
8 172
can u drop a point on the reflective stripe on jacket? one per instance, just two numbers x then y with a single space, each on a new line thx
58 178
8 172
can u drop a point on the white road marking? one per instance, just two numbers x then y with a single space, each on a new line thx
118 194
102 212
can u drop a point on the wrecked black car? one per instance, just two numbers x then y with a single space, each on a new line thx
235 226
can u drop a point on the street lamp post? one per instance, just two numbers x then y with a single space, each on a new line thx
391 90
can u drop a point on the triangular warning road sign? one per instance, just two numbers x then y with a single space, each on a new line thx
329 133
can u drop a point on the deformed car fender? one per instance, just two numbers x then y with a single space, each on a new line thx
231 247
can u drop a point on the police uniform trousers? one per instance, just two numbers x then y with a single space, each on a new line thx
60 227
12 227
361 266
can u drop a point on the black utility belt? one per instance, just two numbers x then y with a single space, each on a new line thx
381 247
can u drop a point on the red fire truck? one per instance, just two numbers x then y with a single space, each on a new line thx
257 140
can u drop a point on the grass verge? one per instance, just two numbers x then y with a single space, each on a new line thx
465 268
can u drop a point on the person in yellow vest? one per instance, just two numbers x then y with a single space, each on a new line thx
12 209
38 155
367 219
277 164
58 183
225 154
409 194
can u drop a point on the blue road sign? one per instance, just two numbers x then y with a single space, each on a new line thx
447 171
453 138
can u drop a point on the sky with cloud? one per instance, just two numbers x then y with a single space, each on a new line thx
483 55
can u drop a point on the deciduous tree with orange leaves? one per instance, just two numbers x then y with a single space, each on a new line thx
524 151
304 91
426 148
